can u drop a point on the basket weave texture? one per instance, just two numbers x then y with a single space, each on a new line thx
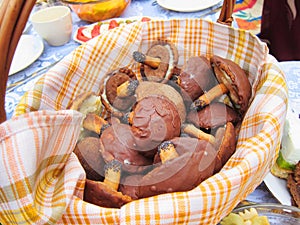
13 17
51 178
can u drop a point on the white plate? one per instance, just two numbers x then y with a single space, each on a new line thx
28 50
27 27
187 5
105 26
278 188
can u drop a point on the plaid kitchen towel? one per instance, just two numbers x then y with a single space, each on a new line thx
41 179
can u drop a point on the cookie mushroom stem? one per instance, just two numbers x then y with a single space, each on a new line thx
128 117
111 110
153 62
209 96
194 131
87 102
167 151
127 88
95 123
112 174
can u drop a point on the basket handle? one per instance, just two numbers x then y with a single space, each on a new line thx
226 12
14 15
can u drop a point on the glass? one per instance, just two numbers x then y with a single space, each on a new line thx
277 214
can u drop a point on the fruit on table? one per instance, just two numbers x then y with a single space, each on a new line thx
97 11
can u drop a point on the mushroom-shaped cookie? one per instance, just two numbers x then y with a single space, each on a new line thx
232 80
88 152
113 103
181 173
213 115
158 62
225 144
155 119
117 142
196 76
106 193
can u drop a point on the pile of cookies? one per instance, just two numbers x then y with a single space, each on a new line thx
165 130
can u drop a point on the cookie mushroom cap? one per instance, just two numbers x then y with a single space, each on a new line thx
158 62
117 142
129 185
213 115
225 144
100 194
195 77
155 119
148 88
88 153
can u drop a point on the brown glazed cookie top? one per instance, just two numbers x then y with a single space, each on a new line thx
118 143
214 115
100 194
148 88
155 119
130 184
90 157
195 77
225 144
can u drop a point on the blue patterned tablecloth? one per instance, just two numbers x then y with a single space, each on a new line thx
137 8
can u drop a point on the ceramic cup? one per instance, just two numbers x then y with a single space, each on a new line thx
54 24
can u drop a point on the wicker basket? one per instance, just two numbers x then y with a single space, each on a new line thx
257 147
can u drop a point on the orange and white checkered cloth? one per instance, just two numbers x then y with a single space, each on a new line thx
41 180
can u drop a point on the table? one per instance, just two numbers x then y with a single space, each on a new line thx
22 81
